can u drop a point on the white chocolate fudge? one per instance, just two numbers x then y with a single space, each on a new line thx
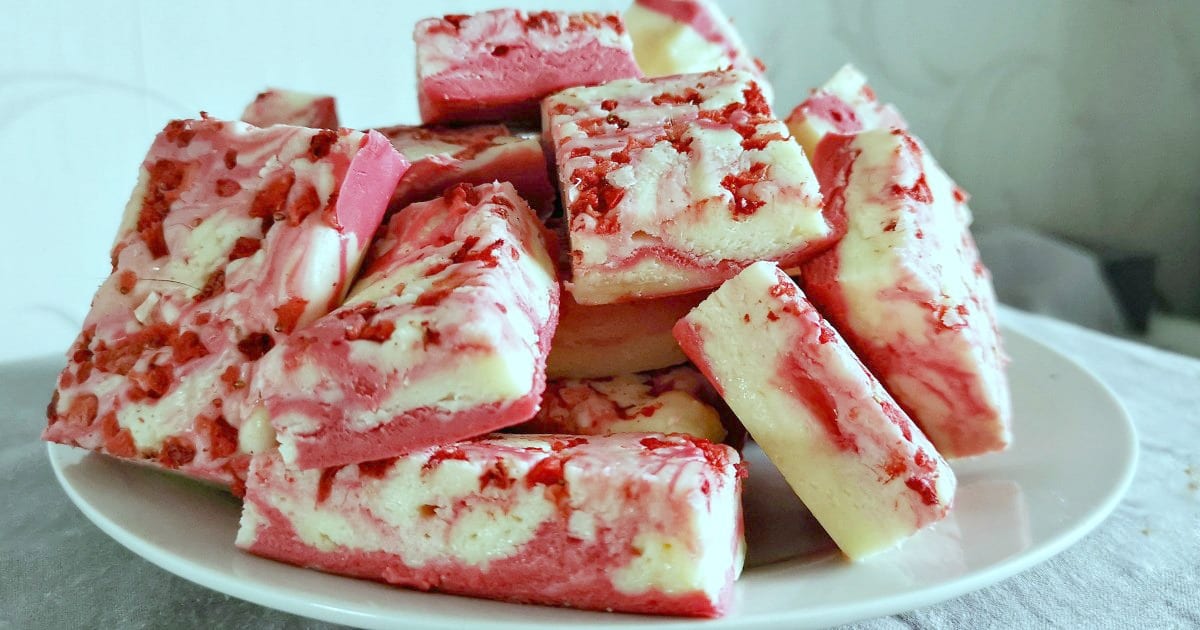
844 105
686 36
672 185
443 338
907 289
641 523
863 469
287 107
234 237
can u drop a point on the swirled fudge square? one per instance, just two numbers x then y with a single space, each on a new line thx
863 469
685 36
288 107
498 65
640 523
845 104
479 154
908 291
674 400
672 185
443 338
234 237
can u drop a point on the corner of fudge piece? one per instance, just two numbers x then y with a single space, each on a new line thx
686 36
845 104
497 65
287 107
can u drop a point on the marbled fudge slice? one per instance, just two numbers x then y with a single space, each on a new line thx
479 154
685 36
674 400
498 65
672 185
287 107
443 338
234 237
844 105
908 291
863 469
640 523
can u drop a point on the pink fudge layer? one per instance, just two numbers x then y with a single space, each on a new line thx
908 291
863 469
683 36
285 107
843 105
498 65
234 237
443 338
444 156
674 400
672 185
639 523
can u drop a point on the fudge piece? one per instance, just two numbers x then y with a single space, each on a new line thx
675 400
285 107
498 65
641 523
234 237
844 105
672 185
480 154
907 289
443 338
863 469
685 36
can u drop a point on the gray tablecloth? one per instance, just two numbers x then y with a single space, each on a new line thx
1138 569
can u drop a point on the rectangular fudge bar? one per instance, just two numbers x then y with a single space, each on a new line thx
234 237
673 185
497 65
640 523
480 154
845 104
863 469
287 107
674 400
686 36
908 291
443 338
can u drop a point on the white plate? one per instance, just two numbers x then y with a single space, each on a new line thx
1072 459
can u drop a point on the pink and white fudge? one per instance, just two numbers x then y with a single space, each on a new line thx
640 523
844 105
443 338
863 469
686 36
674 400
287 107
444 156
234 237
908 291
672 185
498 65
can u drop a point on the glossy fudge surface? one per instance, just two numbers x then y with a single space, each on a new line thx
443 338
907 289
859 464
644 523
288 107
672 185
845 104
234 237
497 65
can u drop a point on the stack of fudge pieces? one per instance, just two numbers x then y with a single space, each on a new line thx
455 356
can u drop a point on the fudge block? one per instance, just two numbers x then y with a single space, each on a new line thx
844 105
443 338
907 289
674 400
498 65
640 523
234 237
480 154
287 107
672 185
863 469
686 36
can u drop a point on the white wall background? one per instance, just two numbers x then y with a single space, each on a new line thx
1081 118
